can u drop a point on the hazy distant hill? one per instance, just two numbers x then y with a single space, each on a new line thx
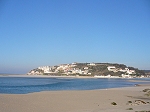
146 71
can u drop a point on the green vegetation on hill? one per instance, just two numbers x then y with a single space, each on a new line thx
88 69
101 69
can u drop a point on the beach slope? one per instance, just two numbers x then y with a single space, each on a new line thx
129 99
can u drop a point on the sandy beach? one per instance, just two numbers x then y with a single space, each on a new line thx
128 99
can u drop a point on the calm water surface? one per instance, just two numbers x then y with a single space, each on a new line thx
23 85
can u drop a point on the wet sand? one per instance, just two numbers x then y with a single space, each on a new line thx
128 99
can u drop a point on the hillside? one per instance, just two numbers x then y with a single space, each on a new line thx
88 69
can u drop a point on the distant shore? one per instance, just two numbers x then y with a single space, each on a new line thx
46 76
55 76
50 76
107 100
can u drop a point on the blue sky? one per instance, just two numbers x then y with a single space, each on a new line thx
49 32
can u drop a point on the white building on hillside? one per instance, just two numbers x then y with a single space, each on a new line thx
92 64
111 68
126 76
46 69
124 70
131 71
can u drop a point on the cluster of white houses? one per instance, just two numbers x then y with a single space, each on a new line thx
72 69
64 69
126 71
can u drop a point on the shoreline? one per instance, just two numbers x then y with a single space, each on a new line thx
50 76
126 98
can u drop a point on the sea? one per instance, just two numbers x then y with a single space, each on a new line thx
24 85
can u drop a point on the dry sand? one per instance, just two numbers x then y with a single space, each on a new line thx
130 99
